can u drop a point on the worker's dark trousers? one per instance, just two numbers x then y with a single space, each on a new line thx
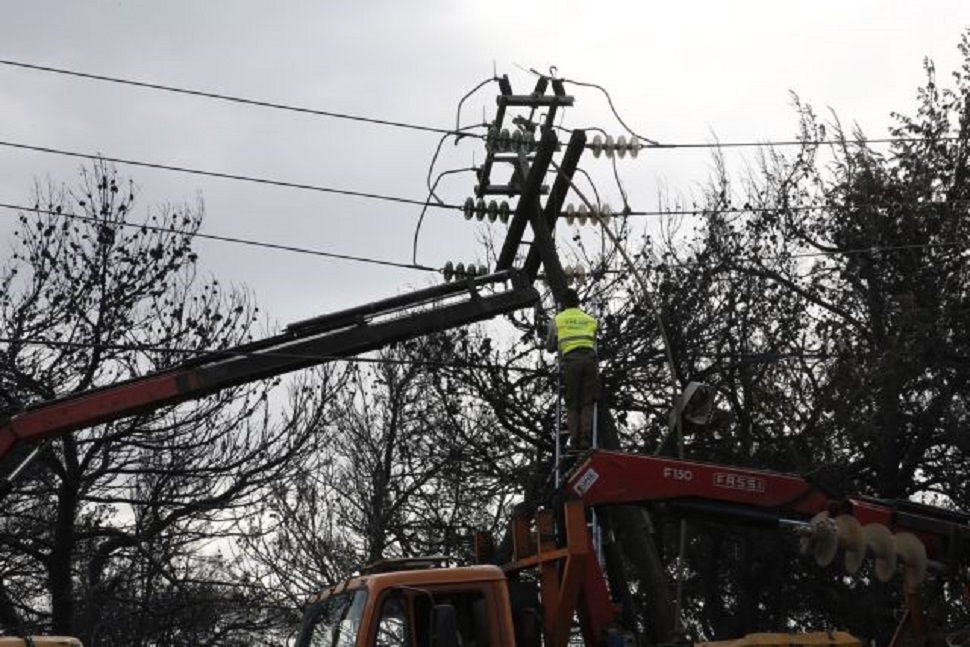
581 378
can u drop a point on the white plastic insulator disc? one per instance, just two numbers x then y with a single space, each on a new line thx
469 209
621 147
449 271
492 210
605 214
491 140
504 140
517 144
635 147
480 209
503 211
460 271
581 215
482 270
609 147
570 214
597 146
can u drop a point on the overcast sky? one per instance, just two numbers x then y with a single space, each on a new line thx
677 72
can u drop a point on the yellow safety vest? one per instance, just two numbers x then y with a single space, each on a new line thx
575 329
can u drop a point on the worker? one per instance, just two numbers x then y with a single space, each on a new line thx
573 333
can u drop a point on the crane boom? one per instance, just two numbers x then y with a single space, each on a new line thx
303 344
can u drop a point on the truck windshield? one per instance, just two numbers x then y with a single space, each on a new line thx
333 621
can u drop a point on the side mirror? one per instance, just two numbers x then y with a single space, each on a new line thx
697 403
445 626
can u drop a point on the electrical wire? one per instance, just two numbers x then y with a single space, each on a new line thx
458 128
424 209
458 132
873 250
225 97
769 143
434 158
794 208
225 176
809 142
616 114
225 239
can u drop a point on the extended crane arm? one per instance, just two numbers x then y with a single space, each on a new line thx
303 344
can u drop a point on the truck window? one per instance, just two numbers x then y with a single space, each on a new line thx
393 626
472 615
405 618
333 621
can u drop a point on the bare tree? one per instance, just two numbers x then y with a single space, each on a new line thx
108 514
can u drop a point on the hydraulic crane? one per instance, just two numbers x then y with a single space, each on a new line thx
303 344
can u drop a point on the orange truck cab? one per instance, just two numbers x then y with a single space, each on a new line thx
418 607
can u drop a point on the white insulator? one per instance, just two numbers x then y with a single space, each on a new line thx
581 215
482 270
517 141
605 213
491 139
469 209
609 147
570 214
492 210
635 147
621 147
472 270
503 211
480 209
503 140
529 141
449 271
460 271
597 146
568 272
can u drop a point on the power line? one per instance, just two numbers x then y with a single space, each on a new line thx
227 239
458 132
873 250
226 176
653 144
702 211
810 142
229 98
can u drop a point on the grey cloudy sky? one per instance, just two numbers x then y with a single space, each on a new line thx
678 72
